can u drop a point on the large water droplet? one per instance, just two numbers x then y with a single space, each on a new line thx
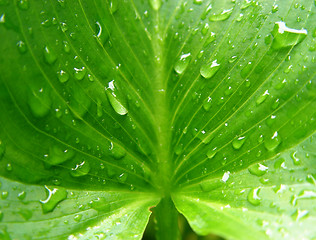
208 70
116 98
81 169
117 151
285 36
58 155
258 169
62 76
238 142
49 55
182 63
54 196
225 14
273 142
39 102
253 196
155 4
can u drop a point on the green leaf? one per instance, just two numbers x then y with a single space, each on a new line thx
112 107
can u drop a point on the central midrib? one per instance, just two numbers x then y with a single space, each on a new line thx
162 126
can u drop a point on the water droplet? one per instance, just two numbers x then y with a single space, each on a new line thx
4 195
77 217
23 4
80 73
273 142
238 142
205 29
155 4
39 102
116 98
8 167
299 214
113 5
117 151
206 11
178 149
54 196
225 176
258 169
232 59
211 153
225 14
66 47
197 2
49 55
253 196
210 39
275 8
208 186
21 46
61 3
275 104
262 97
21 195
2 149
244 72
182 63
245 4
81 169
122 177
208 70
296 160
63 76
284 36
58 155
63 27
207 104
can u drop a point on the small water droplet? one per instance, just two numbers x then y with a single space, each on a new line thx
182 63
258 169
66 47
299 214
211 153
117 151
207 104
296 160
63 27
262 97
238 142
113 5
58 155
81 169
39 102
49 55
80 73
225 176
208 70
244 72
205 29
273 142
206 11
21 46
21 196
116 98
225 14
77 217
197 2
178 149
63 76
122 177
155 4
4 195
23 4
54 196
232 59
245 4
284 36
253 196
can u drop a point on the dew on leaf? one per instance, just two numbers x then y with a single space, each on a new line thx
21 195
122 177
8 167
178 149
296 160
211 38
299 214
206 12
305 194
211 153
63 76
66 47
244 72
80 73
63 27
253 196
21 46
39 102
205 29
77 217
54 196
116 98
58 155
262 97
284 36
117 151
225 14
245 4
4 195
49 55
197 2
182 63
208 70
81 169
238 142
155 4
273 142
207 104
23 4
225 176
232 59
258 169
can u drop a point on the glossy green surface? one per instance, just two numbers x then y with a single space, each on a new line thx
109 106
